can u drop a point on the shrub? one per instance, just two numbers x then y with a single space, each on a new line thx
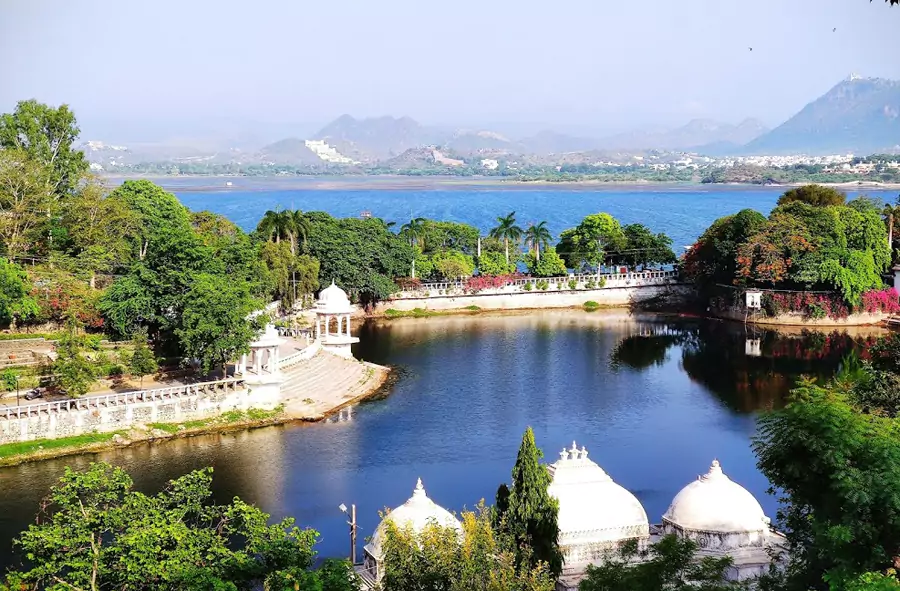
880 301
482 282
573 284
542 285
590 284
591 306
528 286
601 283
473 308
408 283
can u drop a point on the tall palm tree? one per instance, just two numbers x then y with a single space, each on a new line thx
298 229
891 212
414 231
507 230
537 236
275 225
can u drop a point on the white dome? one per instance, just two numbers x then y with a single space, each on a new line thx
593 508
268 338
418 512
333 300
715 503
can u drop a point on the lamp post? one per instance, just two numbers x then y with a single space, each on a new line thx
17 390
352 524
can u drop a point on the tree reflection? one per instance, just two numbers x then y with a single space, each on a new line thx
642 351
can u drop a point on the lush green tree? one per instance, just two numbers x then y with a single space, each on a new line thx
74 372
839 471
159 214
507 231
537 237
886 581
671 563
275 225
361 255
713 258
414 232
816 195
439 558
17 304
642 247
549 265
333 575
292 276
95 532
98 226
438 236
494 263
526 511
589 243
46 135
26 201
142 361
214 327
453 264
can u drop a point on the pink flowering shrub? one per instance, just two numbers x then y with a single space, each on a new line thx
877 301
482 282
811 305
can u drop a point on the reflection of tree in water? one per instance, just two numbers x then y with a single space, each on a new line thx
641 351
748 379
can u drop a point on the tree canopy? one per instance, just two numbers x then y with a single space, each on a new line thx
589 243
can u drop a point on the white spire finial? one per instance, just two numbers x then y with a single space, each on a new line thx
420 490
583 452
715 471
564 454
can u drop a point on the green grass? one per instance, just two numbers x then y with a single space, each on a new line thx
591 306
15 336
167 427
473 308
231 416
28 447
415 313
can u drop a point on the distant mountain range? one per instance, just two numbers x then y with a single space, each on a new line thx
859 115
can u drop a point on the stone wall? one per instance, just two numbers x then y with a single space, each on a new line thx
117 412
523 300
797 319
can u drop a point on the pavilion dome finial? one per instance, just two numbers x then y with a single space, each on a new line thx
333 300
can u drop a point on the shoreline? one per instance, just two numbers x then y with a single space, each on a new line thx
160 432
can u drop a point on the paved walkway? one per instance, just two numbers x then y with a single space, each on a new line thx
325 383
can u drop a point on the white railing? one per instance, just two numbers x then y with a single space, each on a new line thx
302 355
122 398
632 278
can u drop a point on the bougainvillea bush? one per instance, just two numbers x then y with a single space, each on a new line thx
811 305
481 282
884 301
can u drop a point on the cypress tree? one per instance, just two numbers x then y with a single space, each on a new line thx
527 513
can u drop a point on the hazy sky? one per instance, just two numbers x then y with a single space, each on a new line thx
590 65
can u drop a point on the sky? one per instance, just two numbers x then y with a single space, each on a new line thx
288 67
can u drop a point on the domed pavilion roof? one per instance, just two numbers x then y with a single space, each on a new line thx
593 508
417 513
715 503
333 300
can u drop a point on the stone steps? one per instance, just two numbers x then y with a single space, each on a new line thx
327 380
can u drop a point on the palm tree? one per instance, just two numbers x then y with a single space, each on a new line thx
298 229
890 212
275 225
537 236
507 230
415 232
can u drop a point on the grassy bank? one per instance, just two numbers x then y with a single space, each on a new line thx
42 449
423 313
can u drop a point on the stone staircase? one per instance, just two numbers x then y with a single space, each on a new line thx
323 384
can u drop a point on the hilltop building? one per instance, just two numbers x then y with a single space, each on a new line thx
597 516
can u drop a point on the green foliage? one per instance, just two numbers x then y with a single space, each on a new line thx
549 265
493 263
36 446
591 306
95 532
46 134
142 361
841 470
158 214
528 286
588 244
672 563
507 231
16 302
440 558
26 198
815 195
74 372
866 582
529 514
361 255
713 258
573 284
9 379
537 239
642 247
453 264
439 236
214 326
290 276
542 284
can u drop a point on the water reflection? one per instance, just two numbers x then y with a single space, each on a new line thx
654 400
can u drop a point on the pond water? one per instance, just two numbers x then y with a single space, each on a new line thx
653 399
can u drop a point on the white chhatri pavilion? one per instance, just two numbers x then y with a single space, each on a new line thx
725 520
263 375
333 303
416 513
596 515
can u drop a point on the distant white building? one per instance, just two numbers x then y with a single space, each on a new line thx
96 167
327 152
490 164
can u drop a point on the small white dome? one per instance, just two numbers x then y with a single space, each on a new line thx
591 506
268 338
417 512
333 300
715 503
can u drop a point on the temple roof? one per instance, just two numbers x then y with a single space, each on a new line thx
715 503
591 505
333 300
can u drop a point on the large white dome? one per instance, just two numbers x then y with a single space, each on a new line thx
417 513
333 300
593 508
715 503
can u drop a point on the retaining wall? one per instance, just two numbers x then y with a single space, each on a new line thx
116 412
798 319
